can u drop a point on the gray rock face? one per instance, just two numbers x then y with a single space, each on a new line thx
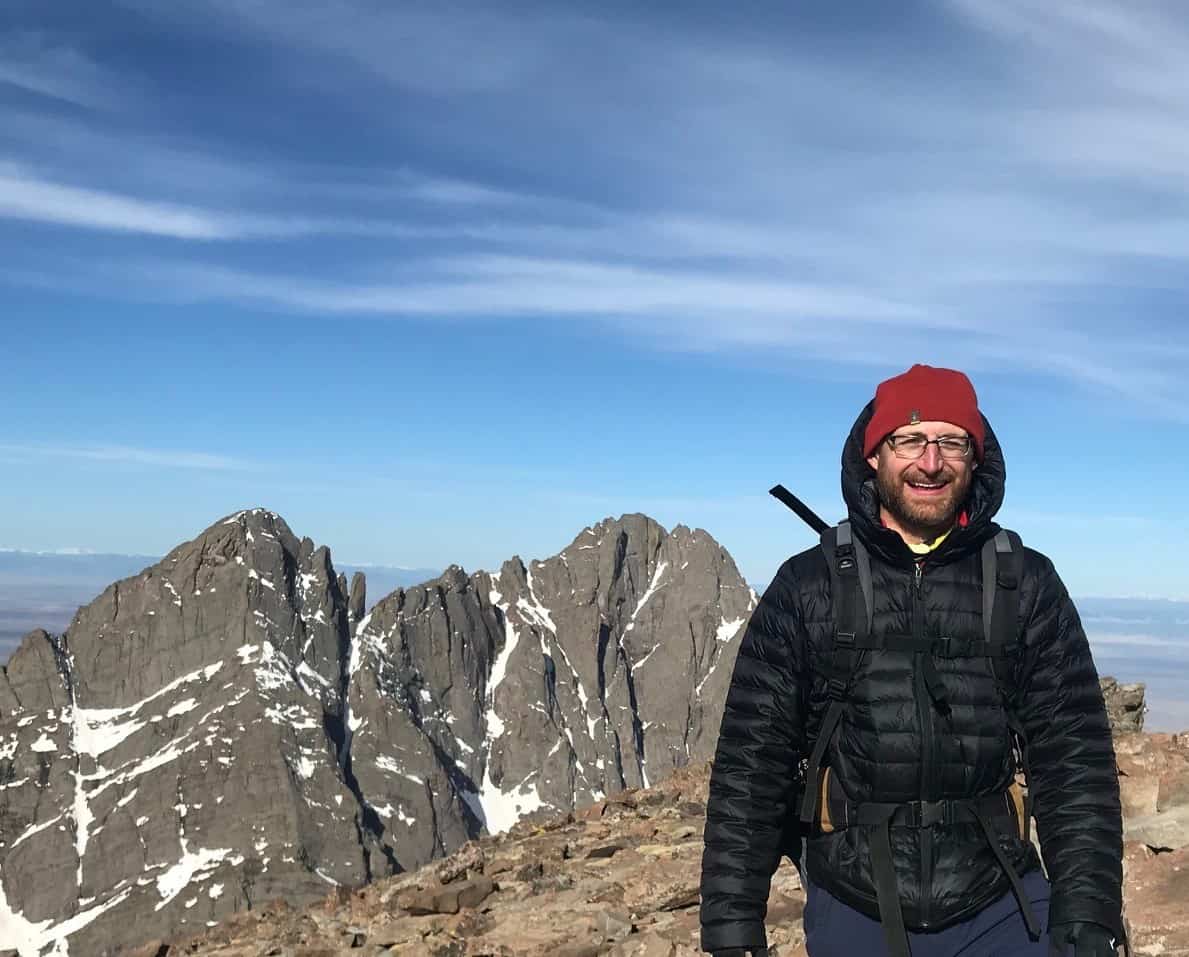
547 685
172 757
228 726
1124 705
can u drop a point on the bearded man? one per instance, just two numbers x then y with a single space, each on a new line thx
892 688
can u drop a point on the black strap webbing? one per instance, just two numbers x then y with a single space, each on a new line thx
988 811
844 550
813 771
851 591
940 647
990 566
1017 887
887 891
933 685
1002 558
996 808
863 567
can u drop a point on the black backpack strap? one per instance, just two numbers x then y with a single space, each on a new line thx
1017 886
881 817
994 814
851 597
1002 558
887 891
863 566
937 646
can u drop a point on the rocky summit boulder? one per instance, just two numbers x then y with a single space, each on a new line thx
1125 705
1154 788
230 726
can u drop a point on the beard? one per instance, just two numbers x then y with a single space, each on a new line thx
927 518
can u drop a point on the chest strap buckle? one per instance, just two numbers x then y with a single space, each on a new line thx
930 813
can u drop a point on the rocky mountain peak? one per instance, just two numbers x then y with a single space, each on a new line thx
31 680
231 724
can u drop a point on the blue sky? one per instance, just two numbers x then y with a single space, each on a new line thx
447 282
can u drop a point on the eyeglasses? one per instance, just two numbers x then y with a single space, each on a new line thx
913 444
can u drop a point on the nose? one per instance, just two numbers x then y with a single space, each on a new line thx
930 460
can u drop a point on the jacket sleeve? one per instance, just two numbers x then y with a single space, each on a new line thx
1073 778
760 745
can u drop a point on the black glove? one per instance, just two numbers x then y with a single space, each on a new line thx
1081 939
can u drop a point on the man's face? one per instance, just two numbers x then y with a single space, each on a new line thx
923 495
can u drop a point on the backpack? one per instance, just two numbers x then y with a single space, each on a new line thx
852 600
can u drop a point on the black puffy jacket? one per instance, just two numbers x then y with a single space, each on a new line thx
893 747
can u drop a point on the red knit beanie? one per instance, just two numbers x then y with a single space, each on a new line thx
924 394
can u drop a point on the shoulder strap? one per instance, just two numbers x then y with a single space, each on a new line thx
1002 558
862 568
851 599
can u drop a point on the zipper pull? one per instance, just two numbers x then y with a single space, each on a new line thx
918 571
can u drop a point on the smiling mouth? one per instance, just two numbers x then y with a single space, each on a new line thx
927 488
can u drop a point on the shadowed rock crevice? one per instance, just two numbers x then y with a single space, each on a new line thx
368 826
600 658
637 723
61 648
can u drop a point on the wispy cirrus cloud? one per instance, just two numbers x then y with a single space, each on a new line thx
1100 89
121 454
137 160
27 196
718 189
455 50
34 64
479 287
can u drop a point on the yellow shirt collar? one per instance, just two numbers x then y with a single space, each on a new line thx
924 548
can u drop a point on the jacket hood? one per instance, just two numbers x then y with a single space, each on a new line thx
862 500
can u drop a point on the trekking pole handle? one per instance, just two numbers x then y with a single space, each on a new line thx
804 512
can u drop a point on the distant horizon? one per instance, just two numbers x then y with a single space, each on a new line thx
437 570
1133 638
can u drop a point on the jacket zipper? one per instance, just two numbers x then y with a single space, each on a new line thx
928 767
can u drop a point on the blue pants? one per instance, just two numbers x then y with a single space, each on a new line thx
832 929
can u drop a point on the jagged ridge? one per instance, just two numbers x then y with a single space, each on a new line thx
228 726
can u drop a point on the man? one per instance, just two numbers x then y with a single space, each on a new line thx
888 687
